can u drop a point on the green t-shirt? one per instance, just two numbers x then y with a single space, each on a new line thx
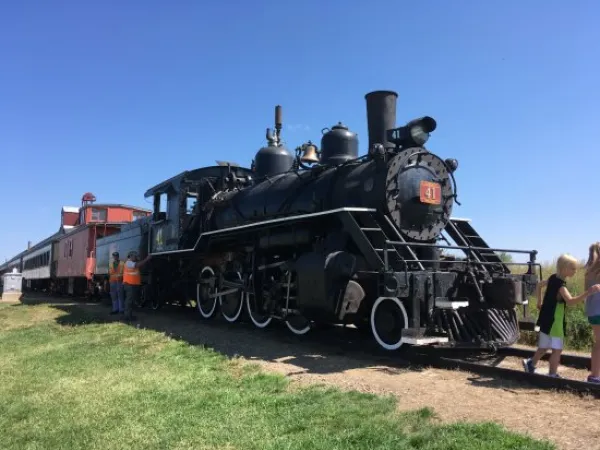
557 329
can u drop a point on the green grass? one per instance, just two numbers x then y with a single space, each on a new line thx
108 386
579 332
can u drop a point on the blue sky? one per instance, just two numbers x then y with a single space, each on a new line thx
112 97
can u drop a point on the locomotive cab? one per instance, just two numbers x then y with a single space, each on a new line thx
181 212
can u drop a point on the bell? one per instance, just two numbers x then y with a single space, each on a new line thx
310 154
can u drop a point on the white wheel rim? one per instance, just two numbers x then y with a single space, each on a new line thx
235 317
206 314
380 341
252 318
298 331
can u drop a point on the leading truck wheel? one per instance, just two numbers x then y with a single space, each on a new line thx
207 306
388 319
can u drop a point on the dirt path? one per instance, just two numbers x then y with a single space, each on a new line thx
570 421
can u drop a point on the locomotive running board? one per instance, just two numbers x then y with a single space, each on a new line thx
263 223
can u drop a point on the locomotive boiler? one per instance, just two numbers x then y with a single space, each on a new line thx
328 236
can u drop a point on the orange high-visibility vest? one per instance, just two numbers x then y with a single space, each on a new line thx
131 275
115 275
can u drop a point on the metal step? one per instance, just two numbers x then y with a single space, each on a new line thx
463 233
378 230
417 337
451 304
373 231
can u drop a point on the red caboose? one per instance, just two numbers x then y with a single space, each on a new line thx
76 250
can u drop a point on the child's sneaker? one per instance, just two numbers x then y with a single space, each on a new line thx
528 366
554 375
592 379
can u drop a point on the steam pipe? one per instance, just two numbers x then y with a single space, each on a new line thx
381 116
278 123
278 120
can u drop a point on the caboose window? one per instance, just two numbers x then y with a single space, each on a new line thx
98 215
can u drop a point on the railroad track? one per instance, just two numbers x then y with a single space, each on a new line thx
486 364
479 365
354 344
570 360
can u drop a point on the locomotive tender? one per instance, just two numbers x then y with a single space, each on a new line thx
326 236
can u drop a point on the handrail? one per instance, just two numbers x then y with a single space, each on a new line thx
462 247
469 250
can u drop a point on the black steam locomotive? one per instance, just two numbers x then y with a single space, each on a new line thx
326 236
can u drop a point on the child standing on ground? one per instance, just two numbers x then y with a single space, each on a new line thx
592 308
551 319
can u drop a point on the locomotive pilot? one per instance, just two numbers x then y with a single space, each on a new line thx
132 282
115 279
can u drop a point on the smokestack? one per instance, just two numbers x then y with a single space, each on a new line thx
381 116
28 245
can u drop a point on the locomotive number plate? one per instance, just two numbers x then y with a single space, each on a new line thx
430 193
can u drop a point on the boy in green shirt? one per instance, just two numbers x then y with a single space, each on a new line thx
552 320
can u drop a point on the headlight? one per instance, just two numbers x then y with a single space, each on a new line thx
418 134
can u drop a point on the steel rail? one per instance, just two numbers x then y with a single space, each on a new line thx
566 359
537 380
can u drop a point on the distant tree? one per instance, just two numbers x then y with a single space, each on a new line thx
505 257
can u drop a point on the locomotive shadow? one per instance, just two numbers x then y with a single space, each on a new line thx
486 381
38 298
323 351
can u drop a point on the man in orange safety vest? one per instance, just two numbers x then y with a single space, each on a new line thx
132 282
115 279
